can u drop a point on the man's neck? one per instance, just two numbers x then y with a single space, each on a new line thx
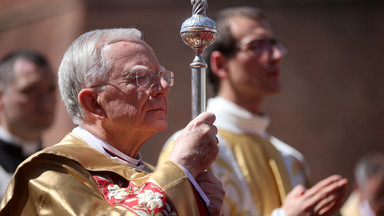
25 135
22 137
253 106
128 146
105 148
28 147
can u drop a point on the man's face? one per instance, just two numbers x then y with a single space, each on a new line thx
28 103
254 70
133 109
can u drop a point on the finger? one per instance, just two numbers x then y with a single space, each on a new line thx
328 196
214 130
215 208
297 191
331 209
206 117
208 178
332 187
332 203
325 206
323 183
326 203
210 188
204 176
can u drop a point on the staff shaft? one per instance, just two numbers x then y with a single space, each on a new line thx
198 91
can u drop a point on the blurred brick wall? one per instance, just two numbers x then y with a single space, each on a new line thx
331 107
49 27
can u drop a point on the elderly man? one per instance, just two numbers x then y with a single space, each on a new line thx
260 174
27 108
115 89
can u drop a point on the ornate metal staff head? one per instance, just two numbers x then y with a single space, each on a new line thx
198 31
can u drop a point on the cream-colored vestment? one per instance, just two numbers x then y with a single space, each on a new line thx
256 169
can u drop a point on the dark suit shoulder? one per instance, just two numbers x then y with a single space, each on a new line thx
10 156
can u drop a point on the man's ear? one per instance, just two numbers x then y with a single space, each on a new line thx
1 99
219 64
88 100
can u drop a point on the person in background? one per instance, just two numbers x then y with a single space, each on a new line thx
261 175
27 108
367 198
116 90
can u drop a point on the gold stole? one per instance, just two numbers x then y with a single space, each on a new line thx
351 206
263 169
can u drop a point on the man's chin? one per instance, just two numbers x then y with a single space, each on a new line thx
160 125
276 89
43 122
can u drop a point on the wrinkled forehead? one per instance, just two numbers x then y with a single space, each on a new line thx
124 55
247 28
26 69
28 73
130 52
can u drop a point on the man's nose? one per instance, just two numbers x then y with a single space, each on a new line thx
160 85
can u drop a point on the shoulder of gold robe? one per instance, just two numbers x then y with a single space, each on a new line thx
58 180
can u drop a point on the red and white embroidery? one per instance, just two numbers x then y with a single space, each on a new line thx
148 199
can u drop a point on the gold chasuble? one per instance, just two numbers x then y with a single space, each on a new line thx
257 170
262 167
351 206
72 178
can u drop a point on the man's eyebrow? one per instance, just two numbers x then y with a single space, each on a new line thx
253 40
132 70
138 67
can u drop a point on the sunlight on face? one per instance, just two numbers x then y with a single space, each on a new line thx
252 72
134 109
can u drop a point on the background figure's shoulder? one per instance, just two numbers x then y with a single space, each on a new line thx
167 148
171 139
295 162
149 167
5 178
285 149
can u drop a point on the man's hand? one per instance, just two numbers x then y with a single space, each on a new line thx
196 147
214 190
325 198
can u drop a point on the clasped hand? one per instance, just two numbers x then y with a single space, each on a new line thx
325 198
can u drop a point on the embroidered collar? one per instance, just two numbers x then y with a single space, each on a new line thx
107 149
232 117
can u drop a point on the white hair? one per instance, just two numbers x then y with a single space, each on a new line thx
84 64
371 164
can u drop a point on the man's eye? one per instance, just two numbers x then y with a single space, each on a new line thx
141 78
30 90
260 44
131 78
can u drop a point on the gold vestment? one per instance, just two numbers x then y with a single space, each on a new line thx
256 170
351 206
72 178
262 170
